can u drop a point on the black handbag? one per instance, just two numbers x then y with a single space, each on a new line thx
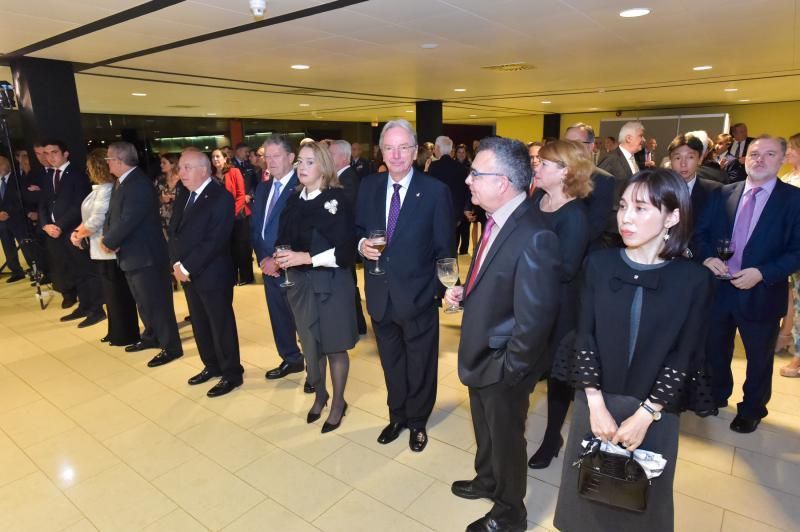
612 479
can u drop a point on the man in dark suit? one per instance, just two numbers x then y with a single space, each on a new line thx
241 160
416 212
621 163
270 200
453 174
357 162
199 249
133 231
510 302
761 217
735 167
13 228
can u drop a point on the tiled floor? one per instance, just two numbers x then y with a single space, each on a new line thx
91 439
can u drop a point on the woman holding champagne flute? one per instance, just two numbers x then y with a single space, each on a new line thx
317 226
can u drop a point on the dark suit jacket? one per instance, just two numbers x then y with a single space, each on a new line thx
265 247
64 204
736 170
361 166
513 304
200 239
250 175
617 165
773 247
453 174
600 206
701 196
425 232
133 225
31 198
350 180
10 203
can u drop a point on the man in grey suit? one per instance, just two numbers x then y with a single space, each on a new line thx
510 300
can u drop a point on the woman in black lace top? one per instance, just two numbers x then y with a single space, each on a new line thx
638 341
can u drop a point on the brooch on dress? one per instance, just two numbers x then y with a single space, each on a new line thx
331 206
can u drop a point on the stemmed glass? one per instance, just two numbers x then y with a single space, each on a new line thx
447 271
377 239
725 250
287 283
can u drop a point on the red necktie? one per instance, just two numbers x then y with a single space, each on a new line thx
487 233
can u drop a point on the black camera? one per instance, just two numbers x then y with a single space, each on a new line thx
8 99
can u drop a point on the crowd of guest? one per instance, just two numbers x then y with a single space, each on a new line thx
594 267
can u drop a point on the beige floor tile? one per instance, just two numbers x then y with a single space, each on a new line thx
768 471
244 409
94 364
369 472
34 422
706 453
119 499
368 397
84 525
733 522
71 457
34 504
303 440
363 428
172 411
438 509
38 368
17 348
151 450
287 479
130 386
69 389
438 460
14 393
452 429
177 521
226 443
278 517
372 515
14 464
208 492
693 515
105 417
540 501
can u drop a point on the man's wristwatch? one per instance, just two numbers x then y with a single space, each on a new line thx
650 410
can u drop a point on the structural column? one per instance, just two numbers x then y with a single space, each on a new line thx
429 120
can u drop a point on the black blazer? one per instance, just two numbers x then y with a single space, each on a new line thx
773 247
425 232
64 204
133 225
200 238
10 204
701 196
513 304
454 175
600 207
617 165
350 180
736 170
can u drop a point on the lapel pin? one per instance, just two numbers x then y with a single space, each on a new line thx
419 194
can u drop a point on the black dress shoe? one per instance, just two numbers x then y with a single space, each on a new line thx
203 376
466 490
490 524
309 388
106 338
391 432
541 458
163 358
76 314
15 277
91 319
327 427
744 425
68 302
284 369
417 440
242 283
222 387
141 345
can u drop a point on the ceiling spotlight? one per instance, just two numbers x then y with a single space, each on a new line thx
546 101
409 110
211 114
593 108
429 45
300 67
634 12
258 8
731 89
702 67
304 104
473 116
138 94
744 101
459 90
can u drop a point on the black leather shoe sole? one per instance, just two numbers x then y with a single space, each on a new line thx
417 440
75 315
15 277
162 358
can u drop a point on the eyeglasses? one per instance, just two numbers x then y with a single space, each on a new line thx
110 159
402 150
188 166
474 173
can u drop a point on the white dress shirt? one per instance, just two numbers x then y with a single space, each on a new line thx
691 184
404 184
197 193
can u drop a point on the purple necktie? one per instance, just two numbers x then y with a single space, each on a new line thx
394 213
742 229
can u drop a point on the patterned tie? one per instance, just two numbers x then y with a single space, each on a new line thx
56 180
487 233
394 213
3 188
742 229
272 201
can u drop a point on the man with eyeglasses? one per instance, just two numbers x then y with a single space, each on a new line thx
133 230
416 213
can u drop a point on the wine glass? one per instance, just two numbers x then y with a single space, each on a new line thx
447 271
725 250
287 283
377 239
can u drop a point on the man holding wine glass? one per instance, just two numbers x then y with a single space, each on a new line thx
404 224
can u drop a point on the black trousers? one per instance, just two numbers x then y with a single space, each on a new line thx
60 265
462 235
87 280
9 244
152 291
499 412
409 355
123 321
241 251
360 321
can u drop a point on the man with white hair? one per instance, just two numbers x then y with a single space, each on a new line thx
621 163
454 175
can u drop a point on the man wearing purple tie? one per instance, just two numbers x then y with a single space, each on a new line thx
415 210
761 218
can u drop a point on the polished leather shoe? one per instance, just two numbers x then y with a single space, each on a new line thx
203 376
243 283
309 388
284 369
541 458
417 440
141 345
68 302
391 432
163 358
466 490
327 427
74 315
91 319
744 425
490 524
222 387
15 277
106 338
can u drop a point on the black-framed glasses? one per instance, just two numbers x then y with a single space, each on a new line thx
474 173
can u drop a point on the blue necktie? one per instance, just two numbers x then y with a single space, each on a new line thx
276 191
192 199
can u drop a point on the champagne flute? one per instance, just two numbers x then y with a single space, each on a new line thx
377 239
447 271
725 250
287 283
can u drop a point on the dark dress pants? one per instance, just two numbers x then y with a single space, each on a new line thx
284 330
87 280
242 251
462 235
123 321
361 323
409 351
10 248
152 291
759 339
499 412
60 266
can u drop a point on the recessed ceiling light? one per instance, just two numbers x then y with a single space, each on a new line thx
409 110
304 104
211 114
300 67
459 90
703 67
731 89
593 108
429 45
634 12
138 94
473 116
744 101
546 101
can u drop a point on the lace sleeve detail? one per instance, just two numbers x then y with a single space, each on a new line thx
668 389
577 366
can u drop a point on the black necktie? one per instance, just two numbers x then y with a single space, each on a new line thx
192 198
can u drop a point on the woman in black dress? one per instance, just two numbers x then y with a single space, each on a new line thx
563 175
318 225
638 341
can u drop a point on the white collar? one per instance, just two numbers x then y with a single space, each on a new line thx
123 176
307 196
202 187
404 183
